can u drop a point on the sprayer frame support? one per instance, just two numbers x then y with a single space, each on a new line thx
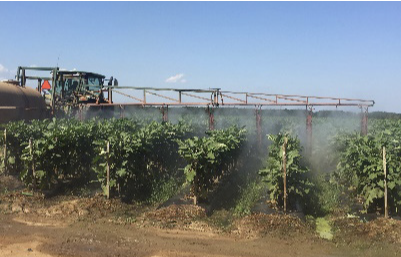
211 118
164 111
364 120
258 110
309 131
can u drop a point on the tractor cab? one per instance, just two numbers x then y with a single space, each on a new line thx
76 87
68 88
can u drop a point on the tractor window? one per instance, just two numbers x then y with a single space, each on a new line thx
94 81
71 85
58 88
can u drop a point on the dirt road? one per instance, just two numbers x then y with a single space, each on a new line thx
31 225
30 235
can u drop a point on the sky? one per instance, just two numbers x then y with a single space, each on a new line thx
339 49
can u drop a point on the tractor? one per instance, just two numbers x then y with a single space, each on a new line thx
60 91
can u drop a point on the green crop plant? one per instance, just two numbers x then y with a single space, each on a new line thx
139 159
210 157
297 183
62 152
361 169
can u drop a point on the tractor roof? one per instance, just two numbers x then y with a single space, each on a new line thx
77 73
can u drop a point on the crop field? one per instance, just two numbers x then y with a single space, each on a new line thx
140 186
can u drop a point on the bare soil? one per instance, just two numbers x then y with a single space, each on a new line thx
31 225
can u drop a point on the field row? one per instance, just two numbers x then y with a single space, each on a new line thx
134 160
